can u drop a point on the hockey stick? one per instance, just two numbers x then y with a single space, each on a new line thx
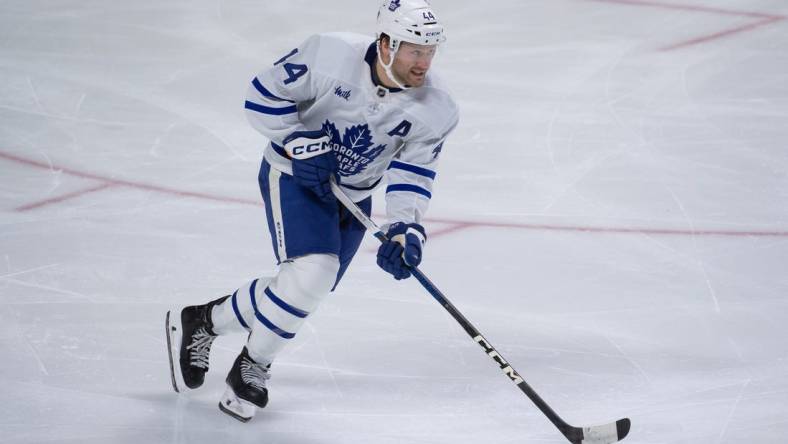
600 434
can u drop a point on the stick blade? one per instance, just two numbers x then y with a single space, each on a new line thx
605 433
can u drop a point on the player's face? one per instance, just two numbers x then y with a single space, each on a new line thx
412 62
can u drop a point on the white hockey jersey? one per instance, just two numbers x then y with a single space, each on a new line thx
328 83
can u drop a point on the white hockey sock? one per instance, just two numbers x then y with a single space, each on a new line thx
236 314
283 305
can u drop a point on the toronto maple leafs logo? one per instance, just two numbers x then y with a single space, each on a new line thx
394 5
355 149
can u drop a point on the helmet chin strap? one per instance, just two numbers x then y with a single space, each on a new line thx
387 67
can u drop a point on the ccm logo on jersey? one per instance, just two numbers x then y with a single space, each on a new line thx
303 148
505 367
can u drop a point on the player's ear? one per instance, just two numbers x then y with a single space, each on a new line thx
385 50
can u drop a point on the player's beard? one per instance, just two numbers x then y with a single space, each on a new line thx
407 77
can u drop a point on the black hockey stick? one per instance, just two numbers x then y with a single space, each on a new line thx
599 434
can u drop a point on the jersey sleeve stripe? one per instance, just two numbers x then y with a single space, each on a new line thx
412 168
409 188
266 93
284 305
268 110
263 320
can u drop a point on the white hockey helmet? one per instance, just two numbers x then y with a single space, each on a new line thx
410 21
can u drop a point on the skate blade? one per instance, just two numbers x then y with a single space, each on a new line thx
173 332
236 407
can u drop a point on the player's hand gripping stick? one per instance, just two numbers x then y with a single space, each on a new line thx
314 162
403 249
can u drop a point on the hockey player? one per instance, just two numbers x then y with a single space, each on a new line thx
339 107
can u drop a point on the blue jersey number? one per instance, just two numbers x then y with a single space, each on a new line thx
294 70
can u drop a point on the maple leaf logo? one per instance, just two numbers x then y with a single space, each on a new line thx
357 138
354 149
331 130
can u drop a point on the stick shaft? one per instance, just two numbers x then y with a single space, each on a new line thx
469 328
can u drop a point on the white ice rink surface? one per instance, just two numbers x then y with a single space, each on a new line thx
611 213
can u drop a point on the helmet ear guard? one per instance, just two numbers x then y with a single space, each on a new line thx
392 43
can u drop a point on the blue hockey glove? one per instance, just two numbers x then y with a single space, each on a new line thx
314 162
402 250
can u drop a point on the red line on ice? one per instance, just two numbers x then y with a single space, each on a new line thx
721 34
680 7
64 197
452 228
611 230
124 183
764 19
455 225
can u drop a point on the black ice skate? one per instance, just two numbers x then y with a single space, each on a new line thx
246 390
189 339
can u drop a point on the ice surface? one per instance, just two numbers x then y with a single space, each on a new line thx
611 214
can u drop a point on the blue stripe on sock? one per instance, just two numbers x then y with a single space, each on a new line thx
284 305
237 311
263 320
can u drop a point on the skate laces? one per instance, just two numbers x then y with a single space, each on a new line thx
254 374
200 348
